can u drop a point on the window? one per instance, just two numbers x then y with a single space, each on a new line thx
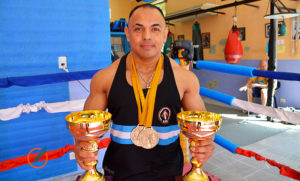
161 4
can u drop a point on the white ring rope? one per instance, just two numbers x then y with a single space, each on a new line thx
282 115
67 106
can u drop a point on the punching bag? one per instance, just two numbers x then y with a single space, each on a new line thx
233 48
167 46
197 42
283 29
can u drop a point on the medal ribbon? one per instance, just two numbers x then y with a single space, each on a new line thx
145 106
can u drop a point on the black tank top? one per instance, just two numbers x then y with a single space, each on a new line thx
126 161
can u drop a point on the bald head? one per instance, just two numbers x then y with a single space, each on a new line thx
263 65
146 6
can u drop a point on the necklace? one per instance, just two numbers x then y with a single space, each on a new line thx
147 82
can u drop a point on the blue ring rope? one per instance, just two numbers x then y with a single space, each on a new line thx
277 75
225 143
35 80
246 71
227 99
226 68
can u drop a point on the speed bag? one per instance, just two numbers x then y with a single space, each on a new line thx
233 49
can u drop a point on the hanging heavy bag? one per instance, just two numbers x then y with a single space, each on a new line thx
233 49
283 29
167 45
197 42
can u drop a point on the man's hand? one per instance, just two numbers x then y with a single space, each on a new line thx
203 149
82 155
244 88
261 85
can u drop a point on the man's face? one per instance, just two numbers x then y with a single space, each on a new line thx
146 32
263 65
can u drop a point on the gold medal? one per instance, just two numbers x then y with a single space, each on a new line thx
134 135
148 138
144 135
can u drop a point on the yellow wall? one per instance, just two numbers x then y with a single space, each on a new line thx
119 9
219 26
134 3
177 5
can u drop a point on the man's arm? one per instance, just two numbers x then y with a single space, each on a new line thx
192 101
261 85
247 85
262 82
97 100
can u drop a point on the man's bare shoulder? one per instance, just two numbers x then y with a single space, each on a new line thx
180 72
174 64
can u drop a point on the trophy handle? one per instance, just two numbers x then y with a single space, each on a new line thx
196 173
92 174
195 162
94 146
93 149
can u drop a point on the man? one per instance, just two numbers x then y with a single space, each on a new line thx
257 86
113 88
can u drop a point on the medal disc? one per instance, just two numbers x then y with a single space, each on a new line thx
134 135
148 138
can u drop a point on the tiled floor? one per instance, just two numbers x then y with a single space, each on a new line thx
283 147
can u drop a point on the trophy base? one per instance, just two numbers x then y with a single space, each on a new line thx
111 178
91 175
107 178
196 175
177 178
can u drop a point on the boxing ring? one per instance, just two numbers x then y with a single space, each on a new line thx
77 105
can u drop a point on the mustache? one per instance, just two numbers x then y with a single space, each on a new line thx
147 42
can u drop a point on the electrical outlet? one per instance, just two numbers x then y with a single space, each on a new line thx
282 100
62 62
72 156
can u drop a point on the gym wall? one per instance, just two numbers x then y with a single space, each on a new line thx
249 17
119 9
254 46
33 34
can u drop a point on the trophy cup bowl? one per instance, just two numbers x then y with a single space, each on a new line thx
198 125
89 126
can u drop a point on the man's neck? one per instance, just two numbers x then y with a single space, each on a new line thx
145 65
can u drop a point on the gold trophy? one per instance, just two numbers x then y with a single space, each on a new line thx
89 126
198 125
